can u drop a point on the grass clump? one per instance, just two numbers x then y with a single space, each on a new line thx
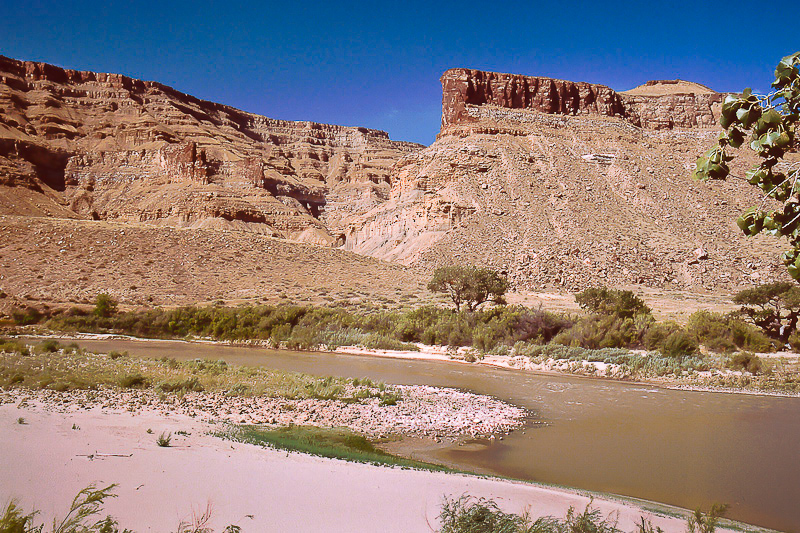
478 515
746 361
164 440
324 442
83 516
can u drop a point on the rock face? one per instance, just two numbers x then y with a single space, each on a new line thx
106 146
569 185
652 109
462 88
557 183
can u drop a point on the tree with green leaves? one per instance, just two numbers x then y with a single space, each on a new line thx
773 307
769 122
616 302
104 305
469 286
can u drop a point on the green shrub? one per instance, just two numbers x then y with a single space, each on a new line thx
131 381
657 333
794 341
104 305
27 316
82 516
48 346
11 346
602 331
164 440
679 344
605 301
185 385
746 361
479 515
725 333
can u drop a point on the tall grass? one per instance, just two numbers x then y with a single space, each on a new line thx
479 515
324 442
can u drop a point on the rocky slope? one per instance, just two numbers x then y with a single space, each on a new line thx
570 184
105 146
559 184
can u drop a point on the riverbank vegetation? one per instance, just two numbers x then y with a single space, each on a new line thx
334 443
479 515
617 330
69 368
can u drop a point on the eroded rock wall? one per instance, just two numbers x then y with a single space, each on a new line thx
464 88
568 185
112 147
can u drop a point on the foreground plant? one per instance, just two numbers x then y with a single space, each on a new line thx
770 122
479 515
164 440
81 518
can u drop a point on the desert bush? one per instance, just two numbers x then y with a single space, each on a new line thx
191 384
12 346
746 361
617 302
135 380
164 440
48 346
104 305
26 316
82 516
480 515
602 331
794 341
725 333
657 333
679 344
700 522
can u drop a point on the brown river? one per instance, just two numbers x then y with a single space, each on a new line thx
683 448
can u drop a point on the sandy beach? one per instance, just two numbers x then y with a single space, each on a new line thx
53 455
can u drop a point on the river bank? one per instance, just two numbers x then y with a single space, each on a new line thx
255 488
713 380
704 381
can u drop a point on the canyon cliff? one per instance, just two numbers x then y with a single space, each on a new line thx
566 184
556 183
105 146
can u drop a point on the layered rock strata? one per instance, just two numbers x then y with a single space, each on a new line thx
106 146
674 108
568 185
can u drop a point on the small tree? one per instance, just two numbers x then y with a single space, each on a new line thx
104 305
770 121
773 307
605 301
469 285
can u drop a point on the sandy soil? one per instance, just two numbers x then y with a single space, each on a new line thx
53 455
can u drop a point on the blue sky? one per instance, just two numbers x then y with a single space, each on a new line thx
378 64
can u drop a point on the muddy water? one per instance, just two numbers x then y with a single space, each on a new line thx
683 448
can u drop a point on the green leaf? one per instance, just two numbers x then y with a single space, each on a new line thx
743 116
736 137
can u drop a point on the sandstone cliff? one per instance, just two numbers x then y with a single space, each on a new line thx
105 146
567 185
557 183
663 104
